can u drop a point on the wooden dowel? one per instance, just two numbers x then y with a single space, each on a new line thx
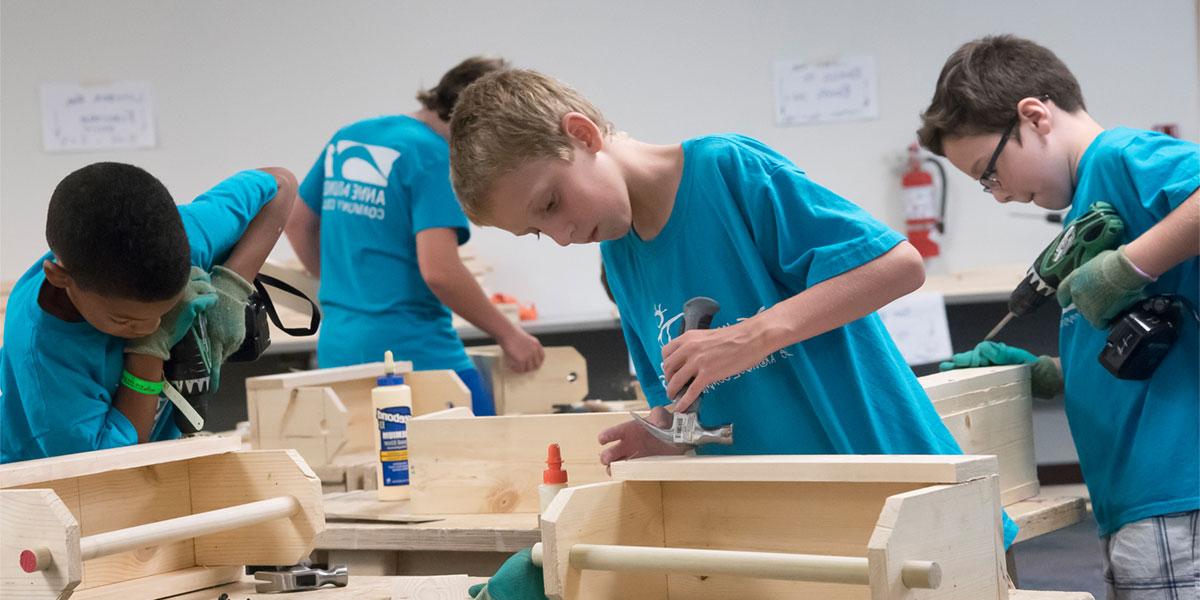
765 565
921 574
181 528
36 559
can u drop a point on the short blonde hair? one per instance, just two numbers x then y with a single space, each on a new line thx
503 121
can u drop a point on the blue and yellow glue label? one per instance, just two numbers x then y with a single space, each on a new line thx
393 443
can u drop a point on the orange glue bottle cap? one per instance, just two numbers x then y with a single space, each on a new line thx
554 472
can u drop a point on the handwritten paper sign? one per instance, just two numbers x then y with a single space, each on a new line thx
809 92
102 117
918 325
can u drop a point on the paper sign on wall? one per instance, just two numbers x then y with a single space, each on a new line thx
102 117
809 92
918 325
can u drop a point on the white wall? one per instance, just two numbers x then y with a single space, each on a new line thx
248 83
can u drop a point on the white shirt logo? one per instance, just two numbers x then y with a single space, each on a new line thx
360 162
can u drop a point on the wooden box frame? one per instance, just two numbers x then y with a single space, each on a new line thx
326 415
493 464
469 465
53 507
889 510
562 379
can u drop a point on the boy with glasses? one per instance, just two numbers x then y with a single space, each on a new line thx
1008 112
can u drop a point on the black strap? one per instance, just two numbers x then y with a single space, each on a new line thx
261 279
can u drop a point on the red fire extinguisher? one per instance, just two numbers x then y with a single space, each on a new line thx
924 203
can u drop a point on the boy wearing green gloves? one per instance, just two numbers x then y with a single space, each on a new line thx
1008 112
89 325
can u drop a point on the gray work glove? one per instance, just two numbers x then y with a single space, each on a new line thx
198 296
226 317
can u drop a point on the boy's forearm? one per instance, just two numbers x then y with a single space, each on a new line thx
840 300
303 232
140 409
252 249
457 289
1170 242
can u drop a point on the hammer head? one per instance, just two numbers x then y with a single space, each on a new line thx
300 578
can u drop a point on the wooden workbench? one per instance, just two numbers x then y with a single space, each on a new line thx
382 538
363 587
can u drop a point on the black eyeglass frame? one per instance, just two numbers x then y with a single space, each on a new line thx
988 178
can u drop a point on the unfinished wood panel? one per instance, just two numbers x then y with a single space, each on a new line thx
163 585
86 463
1003 428
810 467
362 505
361 426
437 390
129 497
494 464
947 384
316 377
362 587
989 410
36 518
956 526
327 415
562 379
455 533
831 519
315 424
1043 514
238 478
602 513
444 587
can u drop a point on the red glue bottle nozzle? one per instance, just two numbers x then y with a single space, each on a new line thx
554 472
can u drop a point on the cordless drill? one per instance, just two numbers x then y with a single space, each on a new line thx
189 373
1141 336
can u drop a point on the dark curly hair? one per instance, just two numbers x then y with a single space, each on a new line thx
117 231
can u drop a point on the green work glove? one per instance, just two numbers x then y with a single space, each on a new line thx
1103 287
517 579
226 318
198 296
1045 377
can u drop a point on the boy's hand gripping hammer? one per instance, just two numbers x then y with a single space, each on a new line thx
686 432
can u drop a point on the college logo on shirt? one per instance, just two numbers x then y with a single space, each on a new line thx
356 177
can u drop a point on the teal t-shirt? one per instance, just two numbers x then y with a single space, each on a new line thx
1137 440
750 230
376 185
58 378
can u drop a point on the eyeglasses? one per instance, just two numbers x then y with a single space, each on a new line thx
988 179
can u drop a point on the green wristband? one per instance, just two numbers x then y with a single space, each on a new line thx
139 385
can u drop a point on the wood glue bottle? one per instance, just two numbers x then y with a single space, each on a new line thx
392 401
554 478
